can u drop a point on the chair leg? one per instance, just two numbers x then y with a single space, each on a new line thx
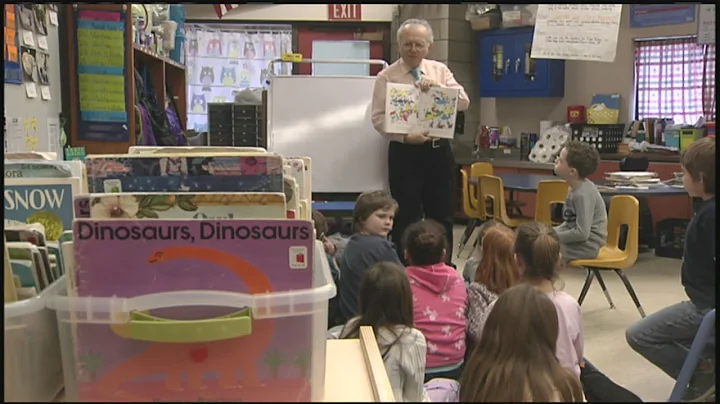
469 229
586 286
630 290
703 336
601 281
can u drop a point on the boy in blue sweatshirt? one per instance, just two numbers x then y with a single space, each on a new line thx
664 337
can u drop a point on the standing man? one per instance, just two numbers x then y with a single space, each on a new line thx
422 169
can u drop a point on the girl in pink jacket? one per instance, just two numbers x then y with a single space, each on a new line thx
439 299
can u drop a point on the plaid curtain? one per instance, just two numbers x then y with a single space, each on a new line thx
675 79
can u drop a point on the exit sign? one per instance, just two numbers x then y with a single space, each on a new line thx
345 12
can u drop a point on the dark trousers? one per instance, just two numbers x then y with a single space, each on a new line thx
422 181
599 388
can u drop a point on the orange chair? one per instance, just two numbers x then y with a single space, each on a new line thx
549 193
624 210
470 201
492 189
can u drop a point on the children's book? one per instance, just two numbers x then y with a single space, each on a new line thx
291 196
23 251
306 191
187 254
8 279
193 149
32 235
198 353
43 169
239 172
48 201
407 108
181 206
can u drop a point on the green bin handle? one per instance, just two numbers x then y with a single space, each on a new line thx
144 327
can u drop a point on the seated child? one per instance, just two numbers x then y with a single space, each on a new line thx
372 221
471 264
386 305
321 229
537 248
440 299
496 272
515 359
664 337
584 229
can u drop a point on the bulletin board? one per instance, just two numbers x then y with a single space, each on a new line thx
32 79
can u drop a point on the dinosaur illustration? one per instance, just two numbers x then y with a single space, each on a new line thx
195 359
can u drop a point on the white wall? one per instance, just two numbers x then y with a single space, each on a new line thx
285 12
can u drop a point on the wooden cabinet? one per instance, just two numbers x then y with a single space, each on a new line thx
167 78
506 69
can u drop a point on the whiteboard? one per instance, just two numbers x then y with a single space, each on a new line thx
328 120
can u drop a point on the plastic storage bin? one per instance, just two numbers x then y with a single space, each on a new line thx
267 347
33 369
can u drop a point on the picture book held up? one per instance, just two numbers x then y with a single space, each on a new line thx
406 108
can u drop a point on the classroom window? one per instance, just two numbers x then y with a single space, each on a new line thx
674 78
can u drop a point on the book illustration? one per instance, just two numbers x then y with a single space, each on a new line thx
306 191
401 106
407 108
27 237
291 191
155 165
240 183
441 113
25 271
181 206
241 256
47 201
297 171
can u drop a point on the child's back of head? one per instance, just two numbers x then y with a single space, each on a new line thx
698 162
498 269
425 243
514 360
385 299
537 248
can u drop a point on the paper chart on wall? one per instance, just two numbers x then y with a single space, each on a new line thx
577 32
406 107
706 24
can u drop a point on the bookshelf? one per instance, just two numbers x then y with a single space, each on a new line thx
166 76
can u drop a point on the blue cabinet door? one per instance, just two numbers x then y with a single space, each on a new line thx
495 72
522 76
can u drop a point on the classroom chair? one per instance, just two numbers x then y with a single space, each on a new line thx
549 194
702 338
624 211
492 189
470 201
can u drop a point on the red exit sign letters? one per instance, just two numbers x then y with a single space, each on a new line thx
345 12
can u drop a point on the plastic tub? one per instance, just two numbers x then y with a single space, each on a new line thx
114 350
33 369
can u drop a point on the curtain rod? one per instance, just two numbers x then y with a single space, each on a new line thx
666 38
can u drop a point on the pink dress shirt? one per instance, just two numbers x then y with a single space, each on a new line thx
400 73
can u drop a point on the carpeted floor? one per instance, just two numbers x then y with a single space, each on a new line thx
657 284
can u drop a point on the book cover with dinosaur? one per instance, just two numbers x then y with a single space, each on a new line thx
195 353
219 172
209 205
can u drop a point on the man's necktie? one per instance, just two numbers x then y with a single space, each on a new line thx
417 74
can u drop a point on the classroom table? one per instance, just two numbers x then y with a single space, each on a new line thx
529 183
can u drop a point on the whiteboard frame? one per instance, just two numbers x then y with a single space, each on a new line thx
270 104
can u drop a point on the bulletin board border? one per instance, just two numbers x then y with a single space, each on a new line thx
102 131
13 70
